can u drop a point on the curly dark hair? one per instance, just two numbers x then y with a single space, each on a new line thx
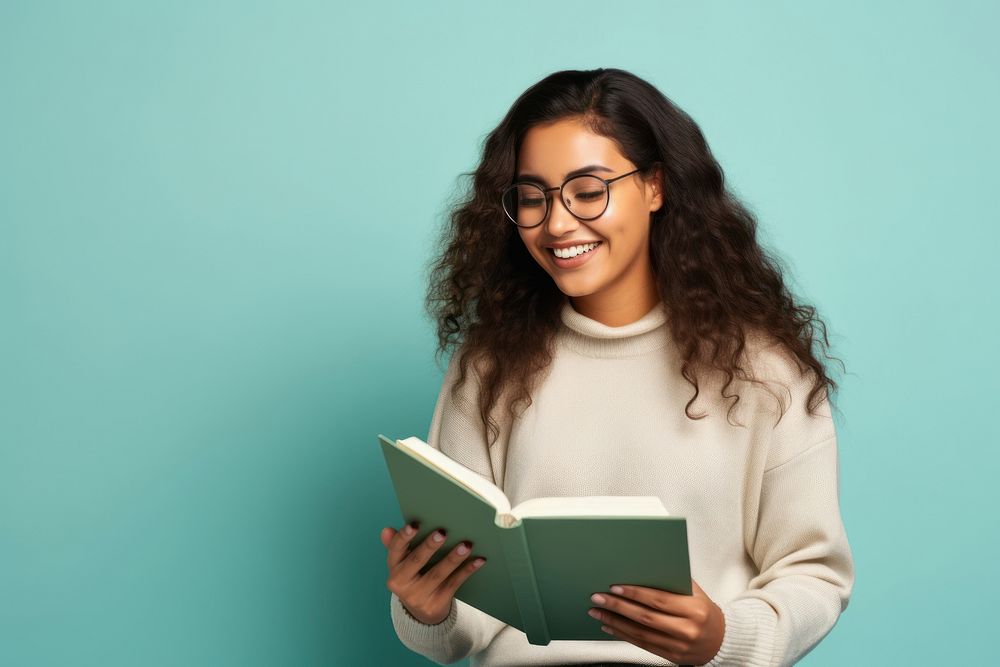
492 301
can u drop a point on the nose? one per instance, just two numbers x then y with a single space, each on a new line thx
560 220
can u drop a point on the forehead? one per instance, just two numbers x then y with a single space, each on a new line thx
555 149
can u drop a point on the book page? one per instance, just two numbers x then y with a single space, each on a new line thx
626 506
458 473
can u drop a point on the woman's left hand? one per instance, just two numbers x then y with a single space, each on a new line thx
685 629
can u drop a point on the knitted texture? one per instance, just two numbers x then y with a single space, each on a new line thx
761 499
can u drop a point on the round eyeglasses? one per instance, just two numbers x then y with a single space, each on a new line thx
585 196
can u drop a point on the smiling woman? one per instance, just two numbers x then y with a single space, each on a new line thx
597 282
617 285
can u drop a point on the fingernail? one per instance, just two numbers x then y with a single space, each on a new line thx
478 562
597 598
411 528
617 590
438 536
594 613
462 549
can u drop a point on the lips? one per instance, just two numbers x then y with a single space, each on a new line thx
576 261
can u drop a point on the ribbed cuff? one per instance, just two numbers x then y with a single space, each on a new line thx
749 636
418 632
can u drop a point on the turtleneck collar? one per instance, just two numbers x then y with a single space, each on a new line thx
596 339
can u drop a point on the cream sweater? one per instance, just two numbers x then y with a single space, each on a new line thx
765 534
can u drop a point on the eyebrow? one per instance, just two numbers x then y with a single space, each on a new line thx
533 178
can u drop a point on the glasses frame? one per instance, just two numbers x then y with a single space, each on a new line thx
548 206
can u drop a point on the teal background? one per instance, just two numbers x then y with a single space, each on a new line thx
215 220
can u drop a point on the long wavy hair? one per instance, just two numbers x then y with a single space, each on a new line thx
493 303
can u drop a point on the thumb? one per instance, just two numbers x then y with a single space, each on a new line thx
386 536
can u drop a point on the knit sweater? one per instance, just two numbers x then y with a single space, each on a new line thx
765 535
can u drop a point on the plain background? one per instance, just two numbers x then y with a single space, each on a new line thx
215 220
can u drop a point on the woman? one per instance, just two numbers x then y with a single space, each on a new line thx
599 284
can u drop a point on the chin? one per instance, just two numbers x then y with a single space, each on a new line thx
575 288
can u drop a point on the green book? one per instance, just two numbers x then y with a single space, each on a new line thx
545 557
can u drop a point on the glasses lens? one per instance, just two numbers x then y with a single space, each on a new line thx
585 196
524 204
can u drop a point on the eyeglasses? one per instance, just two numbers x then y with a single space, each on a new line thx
585 196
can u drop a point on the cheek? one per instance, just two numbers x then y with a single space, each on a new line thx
628 224
626 242
623 225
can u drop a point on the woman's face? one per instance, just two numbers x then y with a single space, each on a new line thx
618 271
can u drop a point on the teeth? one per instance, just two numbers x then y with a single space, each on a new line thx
573 251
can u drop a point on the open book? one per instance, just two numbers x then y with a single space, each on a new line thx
544 556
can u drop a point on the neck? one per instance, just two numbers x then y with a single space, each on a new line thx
618 307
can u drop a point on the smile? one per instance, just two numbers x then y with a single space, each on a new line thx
568 258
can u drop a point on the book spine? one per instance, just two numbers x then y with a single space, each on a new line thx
522 579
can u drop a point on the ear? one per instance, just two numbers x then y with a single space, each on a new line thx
655 191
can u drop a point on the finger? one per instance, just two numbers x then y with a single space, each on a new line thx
641 635
665 648
399 544
386 535
674 604
454 570
456 560
409 567
458 577
674 626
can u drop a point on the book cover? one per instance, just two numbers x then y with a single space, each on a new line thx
545 556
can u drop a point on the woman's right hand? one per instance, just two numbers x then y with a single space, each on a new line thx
428 597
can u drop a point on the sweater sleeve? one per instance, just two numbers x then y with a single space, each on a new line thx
456 432
797 541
